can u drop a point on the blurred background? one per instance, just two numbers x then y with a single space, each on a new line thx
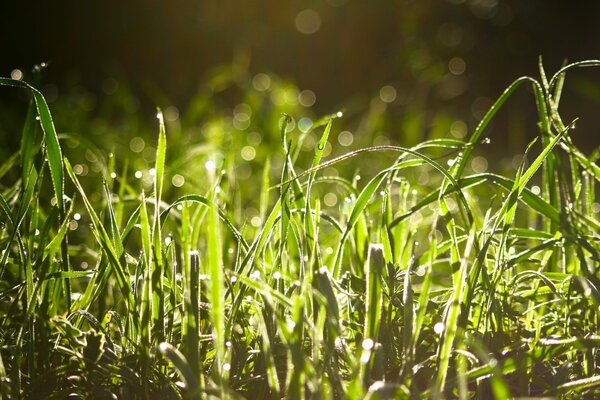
429 65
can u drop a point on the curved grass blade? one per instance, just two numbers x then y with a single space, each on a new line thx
182 366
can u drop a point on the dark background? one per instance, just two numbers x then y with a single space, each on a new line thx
165 49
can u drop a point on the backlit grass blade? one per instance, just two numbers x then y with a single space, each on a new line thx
26 199
113 224
158 301
54 153
316 160
532 200
121 274
359 206
451 318
191 289
54 156
459 166
373 295
216 288
408 331
196 198
579 64
267 347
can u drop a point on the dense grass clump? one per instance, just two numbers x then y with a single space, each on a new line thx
243 259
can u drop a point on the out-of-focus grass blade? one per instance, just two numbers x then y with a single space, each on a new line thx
53 247
27 143
182 366
408 331
267 346
269 294
579 385
6 209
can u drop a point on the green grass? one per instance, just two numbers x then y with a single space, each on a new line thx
219 261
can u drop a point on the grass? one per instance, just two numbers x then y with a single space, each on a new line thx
224 263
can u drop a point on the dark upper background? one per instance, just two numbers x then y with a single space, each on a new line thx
168 47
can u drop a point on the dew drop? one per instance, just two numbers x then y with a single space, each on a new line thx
368 344
210 165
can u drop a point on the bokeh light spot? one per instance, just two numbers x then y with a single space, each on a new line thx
458 129
137 144
254 138
330 199
308 21
255 221
171 114
457 66
307 98
210 165
16 74
248 153
178 180
345 138
305 124
261 82
479 164
387 94
242 112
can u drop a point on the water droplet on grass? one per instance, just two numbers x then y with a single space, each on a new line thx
210 165
368 344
